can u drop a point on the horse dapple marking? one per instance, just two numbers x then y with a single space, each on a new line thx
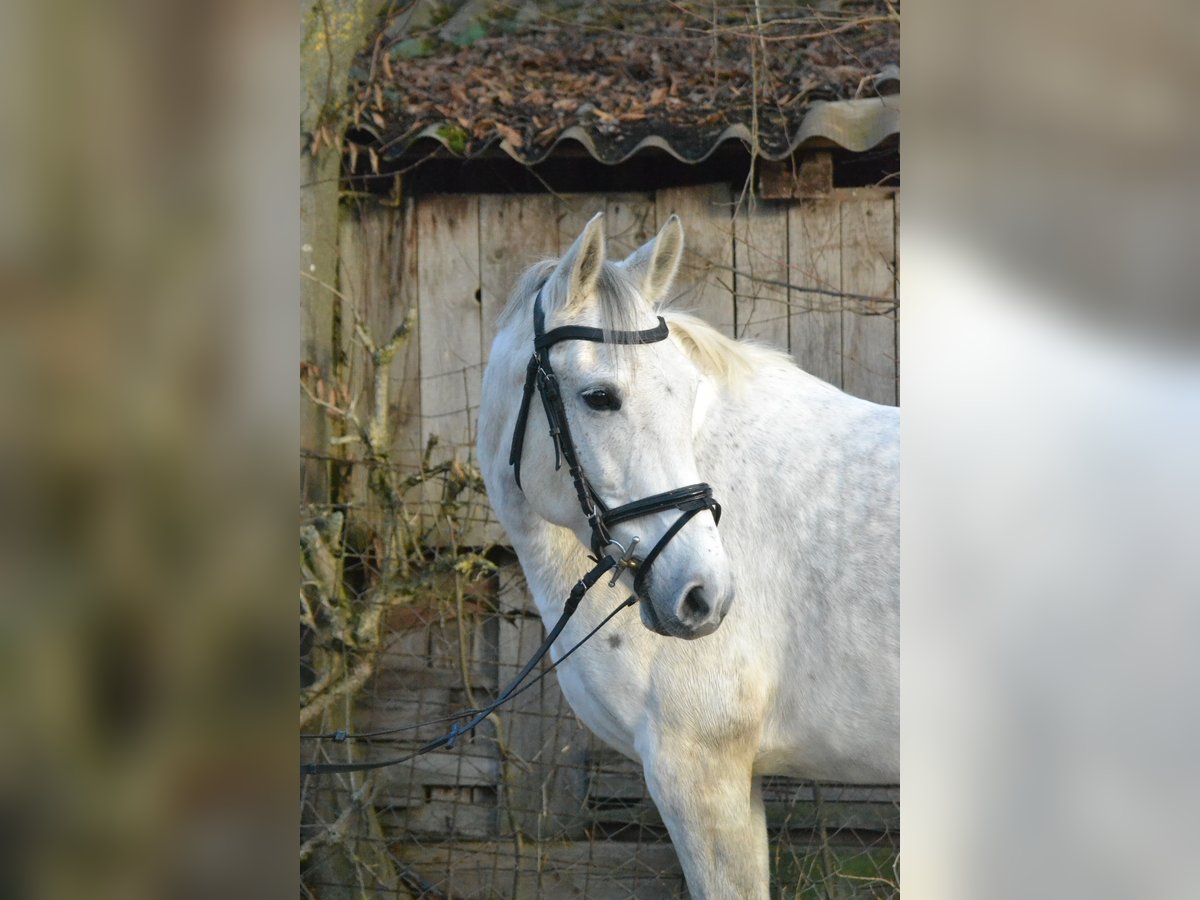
801 674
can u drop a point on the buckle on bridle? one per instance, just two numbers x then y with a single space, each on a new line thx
626 561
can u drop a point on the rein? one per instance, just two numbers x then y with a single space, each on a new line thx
689 500
448 739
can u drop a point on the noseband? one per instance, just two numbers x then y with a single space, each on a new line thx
540 374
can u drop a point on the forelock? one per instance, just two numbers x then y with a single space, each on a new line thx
617 297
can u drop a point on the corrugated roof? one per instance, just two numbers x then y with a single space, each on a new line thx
854 125
803 80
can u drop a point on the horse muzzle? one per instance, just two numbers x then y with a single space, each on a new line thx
694 612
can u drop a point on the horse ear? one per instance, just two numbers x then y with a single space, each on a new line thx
654 264
582 263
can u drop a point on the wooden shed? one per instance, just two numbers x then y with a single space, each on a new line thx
791 243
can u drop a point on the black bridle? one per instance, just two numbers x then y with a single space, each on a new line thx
689 500
539 374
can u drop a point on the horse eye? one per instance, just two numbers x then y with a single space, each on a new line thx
602 399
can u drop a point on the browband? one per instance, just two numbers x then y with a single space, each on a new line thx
598 335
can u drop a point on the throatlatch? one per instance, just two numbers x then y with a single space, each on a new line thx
539 374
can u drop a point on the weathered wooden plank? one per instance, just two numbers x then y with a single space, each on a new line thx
515 231
554 871
815 261
441 665
617 795
528 723
613 776
573 211
705 281
388 710
378 280
318 267
402 289
761 259
613 785
402 679
798 815
784 180
467 765
868 338
629 221
473 641
425 637
519 635
355 262
448 813
787 789
451 361
565 784
544 744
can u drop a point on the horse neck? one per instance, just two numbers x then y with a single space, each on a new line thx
781 420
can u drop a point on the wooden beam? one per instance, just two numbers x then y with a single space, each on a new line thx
810 176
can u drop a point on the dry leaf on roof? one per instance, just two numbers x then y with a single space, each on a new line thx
645 76
511 135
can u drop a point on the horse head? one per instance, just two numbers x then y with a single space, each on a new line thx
632 408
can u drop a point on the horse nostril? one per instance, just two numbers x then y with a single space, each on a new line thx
695 605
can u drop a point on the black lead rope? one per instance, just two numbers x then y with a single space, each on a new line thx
343 736
456 731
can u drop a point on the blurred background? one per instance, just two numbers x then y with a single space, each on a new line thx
1052 409
149 247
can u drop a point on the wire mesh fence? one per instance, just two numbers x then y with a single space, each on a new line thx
531 804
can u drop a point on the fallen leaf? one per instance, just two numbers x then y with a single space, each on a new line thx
511 135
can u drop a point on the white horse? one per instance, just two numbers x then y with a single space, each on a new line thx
801 677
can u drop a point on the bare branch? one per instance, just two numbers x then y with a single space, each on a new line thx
346 687
336 833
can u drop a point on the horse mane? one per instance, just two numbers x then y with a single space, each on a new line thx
730 362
